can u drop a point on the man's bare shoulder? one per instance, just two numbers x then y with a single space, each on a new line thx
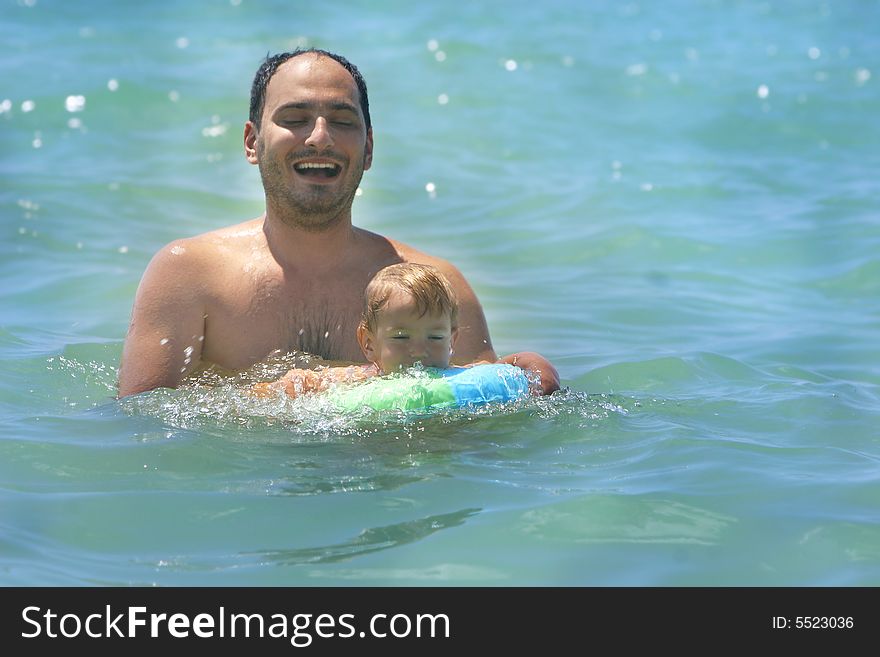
215 246
243 236
407 253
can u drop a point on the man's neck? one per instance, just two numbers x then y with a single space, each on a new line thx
294 246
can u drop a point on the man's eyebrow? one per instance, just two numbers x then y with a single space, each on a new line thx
304 105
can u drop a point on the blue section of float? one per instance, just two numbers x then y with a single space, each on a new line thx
482 384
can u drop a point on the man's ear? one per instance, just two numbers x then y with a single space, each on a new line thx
250 142
368 150
365 340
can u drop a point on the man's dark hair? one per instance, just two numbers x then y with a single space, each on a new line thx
270 65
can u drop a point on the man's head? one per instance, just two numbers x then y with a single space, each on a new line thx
270 66
410 315
309 135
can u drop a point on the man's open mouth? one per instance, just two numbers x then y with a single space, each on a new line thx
317 169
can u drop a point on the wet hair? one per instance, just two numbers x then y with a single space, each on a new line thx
428 287
270 66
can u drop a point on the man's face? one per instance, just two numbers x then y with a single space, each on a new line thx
313 146
402 337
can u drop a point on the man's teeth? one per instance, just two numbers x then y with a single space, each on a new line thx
315 165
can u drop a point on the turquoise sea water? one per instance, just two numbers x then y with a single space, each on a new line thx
678 203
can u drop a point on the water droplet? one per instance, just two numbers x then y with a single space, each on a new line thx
763 91
646 187
28 106
433 45
163 341
182 42
510 65
443 99
75 103
636 69
440 56
113 84
568 61
215 130
814 53
173 96
123 249
862 76
5 106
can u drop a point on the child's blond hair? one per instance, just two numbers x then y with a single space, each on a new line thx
427 285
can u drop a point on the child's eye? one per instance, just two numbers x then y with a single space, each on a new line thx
400 337
438 337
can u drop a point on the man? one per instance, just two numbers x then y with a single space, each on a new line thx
292 279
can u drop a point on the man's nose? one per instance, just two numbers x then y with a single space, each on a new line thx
320 136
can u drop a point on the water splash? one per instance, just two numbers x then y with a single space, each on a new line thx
216 399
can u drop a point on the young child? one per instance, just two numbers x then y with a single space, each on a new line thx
410 316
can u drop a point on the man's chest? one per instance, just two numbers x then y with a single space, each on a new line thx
242 328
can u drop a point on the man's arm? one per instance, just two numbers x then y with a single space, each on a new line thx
167 329
474 344
529 360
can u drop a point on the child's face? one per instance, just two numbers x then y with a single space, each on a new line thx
402 338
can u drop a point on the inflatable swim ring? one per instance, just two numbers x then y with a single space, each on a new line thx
435 389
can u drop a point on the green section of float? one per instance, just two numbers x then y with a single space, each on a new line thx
405 393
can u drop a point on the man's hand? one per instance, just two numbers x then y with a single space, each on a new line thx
529 360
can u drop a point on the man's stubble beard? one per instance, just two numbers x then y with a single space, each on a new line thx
314 212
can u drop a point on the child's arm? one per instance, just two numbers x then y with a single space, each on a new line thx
302 381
